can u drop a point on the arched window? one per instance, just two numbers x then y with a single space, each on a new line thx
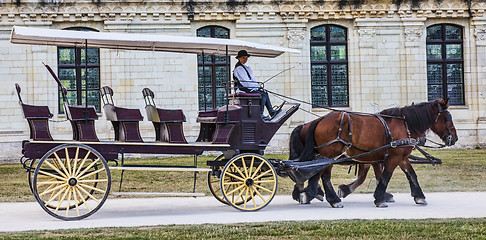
71 71
329 66
445 63
212 87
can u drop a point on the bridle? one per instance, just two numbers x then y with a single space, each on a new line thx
447 118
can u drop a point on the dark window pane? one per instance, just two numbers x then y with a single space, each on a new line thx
207 76
319 95
93 56
434 33
207 59
434 73
221 32
434 92
339 75
337 34
68 78
453 32
221 76
338 52
72 97
454 73
340 95
93 78
318 53
66 56
209 98
318 34
455 94
453 51
434 51
220 100
221 59
204 32
319 75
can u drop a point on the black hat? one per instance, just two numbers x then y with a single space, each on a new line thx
242 53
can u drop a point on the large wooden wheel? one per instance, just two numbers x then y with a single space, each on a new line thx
71 181
248 178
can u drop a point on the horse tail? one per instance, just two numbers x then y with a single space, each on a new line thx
309 152
296 146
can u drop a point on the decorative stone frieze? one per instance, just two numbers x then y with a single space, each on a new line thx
366 37
413 35
480 34
296 37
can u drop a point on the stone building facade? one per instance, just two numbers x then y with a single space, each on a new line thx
386 58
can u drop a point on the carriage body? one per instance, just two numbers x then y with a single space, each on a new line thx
71 179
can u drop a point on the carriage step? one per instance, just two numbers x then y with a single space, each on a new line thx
157 194
172 169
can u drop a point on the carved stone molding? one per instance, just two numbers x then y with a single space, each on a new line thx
366 37
296 37
413 34
480 33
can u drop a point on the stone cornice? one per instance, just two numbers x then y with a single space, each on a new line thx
219 10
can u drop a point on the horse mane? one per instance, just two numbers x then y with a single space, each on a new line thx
419 117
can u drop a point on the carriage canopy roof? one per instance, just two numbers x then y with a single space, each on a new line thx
146 42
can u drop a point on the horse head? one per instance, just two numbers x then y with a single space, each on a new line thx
443 125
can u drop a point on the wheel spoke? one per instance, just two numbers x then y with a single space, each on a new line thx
236 189
264 189
93 188
75 161
238 170
75 199
265 181
68 161
252 199
93 181
88 167
52 189
244 167
87 193
251 165
92 173
55 169
258 193
82 163
82 198
49 182
257 170
246 197
66 190
68 201
263 174
62 164
232 175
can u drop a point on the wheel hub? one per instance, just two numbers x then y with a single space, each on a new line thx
72 182
249 182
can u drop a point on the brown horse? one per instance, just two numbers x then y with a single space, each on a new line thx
387 138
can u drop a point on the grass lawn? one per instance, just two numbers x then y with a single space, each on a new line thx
339 229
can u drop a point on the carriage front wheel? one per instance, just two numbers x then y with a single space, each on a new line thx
248 178
71 181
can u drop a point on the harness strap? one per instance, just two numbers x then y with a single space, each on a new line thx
238 84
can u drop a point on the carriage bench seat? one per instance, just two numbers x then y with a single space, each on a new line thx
37 117
167 122
215 127
125 121
83 125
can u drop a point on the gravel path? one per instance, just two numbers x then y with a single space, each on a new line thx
164 211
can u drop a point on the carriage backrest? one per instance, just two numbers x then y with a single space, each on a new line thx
148 97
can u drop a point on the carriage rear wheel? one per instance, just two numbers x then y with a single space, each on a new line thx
248 178
71 181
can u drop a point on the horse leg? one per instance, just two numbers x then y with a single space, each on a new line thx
313 190
380 191
415 189
298 190
331 196
345 189
378 169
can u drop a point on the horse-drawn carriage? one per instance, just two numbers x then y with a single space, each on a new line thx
71 179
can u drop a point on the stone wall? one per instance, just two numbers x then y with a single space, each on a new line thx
386 55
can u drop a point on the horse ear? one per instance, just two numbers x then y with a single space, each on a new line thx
413 103
446 101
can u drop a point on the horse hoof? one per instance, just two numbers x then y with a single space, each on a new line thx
381 205
320 198
337 205
343 191
420 201
303 199
389 198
